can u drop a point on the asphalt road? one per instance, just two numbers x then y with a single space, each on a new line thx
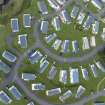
58 58
37 99
32 96
13 75
29 93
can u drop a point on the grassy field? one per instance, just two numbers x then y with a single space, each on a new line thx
67 32
92 7
70 32
55 83
23 101
33 10
89 103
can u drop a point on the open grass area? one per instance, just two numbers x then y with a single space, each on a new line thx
90 87
92 7
33 10
69 32
72 32
24 101
5 29
11 10
4 32
89 103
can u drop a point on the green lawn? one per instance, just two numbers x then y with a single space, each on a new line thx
13 10
23 101
70 32
55 83
67 32
92 7
89 103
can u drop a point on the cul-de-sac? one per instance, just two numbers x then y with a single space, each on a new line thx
52 52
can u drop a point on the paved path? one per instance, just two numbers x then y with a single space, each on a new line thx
58 58
37 99
95 15
12 76
29 93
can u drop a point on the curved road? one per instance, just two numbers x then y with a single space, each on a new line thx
58 58
37 99
12 76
